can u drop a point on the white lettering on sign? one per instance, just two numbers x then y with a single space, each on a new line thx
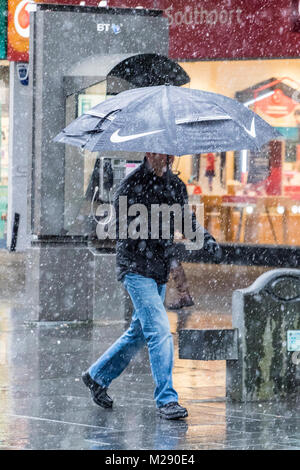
197 16
105 27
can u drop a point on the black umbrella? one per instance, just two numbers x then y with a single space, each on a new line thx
143 70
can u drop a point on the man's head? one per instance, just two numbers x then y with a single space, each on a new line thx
158 161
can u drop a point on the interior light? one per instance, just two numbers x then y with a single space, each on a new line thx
249 209
280 209
294 209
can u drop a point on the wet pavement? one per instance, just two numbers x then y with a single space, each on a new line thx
44 404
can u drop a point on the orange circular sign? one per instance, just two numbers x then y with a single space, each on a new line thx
18 28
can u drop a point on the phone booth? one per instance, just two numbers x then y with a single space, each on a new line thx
86 171
80 56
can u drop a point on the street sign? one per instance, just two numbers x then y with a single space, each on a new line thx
293 340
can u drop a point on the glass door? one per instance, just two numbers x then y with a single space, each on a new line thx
80 165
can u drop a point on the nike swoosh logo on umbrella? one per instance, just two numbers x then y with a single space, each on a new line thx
252 131
116 138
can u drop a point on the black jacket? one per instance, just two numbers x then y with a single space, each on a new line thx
148 257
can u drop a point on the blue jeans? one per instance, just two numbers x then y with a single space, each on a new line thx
149 325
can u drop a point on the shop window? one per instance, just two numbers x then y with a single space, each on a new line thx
253 198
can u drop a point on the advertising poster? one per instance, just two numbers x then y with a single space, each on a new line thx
18 30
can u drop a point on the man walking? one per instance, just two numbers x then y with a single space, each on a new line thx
143 265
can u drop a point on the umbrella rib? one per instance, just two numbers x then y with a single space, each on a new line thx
172 118
94 112
202 118
97 130
140 101
240 125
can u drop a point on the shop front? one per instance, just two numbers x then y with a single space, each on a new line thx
248 51
244 50
252 198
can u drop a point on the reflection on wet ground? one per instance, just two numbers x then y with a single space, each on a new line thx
44 405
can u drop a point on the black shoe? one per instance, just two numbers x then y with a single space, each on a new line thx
98 393
172 411
185 301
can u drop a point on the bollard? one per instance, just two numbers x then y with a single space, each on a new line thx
262 350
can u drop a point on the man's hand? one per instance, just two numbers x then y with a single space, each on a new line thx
212 247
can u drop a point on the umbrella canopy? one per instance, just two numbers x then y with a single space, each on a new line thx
170 120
